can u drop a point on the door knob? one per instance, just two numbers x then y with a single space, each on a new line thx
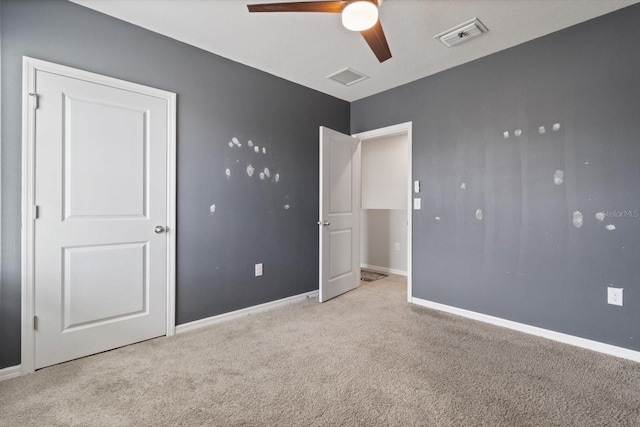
159 229
324 223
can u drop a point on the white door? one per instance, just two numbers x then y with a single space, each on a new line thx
339 213
100 269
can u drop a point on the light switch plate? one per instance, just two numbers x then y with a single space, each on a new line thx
259 269
417 204
416 186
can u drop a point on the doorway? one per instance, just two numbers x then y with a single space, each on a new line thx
386 191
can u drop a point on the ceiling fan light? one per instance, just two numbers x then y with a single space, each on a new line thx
359 15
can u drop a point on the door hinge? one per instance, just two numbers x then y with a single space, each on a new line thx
36 211
35 323
36 98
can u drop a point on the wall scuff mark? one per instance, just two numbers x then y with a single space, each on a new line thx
577 219
558 177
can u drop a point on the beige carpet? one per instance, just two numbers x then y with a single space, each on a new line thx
366 358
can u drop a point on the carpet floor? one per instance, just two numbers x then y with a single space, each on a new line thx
367 358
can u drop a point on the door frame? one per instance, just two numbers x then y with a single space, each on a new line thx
29 68
400 129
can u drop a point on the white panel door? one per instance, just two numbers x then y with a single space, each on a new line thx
339 213
101 189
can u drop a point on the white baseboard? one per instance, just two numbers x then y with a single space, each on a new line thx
383 269
10 372
197 324
612 350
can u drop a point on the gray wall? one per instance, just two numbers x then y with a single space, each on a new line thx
217 101
525 260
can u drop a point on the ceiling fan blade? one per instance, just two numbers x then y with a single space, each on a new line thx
377 42
300 6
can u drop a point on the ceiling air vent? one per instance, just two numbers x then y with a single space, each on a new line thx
462 33
347 76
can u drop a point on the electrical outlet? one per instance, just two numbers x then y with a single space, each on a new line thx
397 246
614 296
259 269
417 204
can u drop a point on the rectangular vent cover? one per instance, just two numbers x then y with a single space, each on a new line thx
347 76
462 33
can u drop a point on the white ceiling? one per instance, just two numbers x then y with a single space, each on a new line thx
306 47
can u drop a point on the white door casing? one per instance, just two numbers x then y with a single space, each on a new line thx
98 177
339 222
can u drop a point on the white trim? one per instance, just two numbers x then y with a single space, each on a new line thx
172 170
28 244
10 372
401 129
29 68
202 323
383 269
612 350
0 140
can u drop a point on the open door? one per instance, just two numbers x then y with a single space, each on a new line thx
339 221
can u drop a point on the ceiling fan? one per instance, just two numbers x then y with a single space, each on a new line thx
357 15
